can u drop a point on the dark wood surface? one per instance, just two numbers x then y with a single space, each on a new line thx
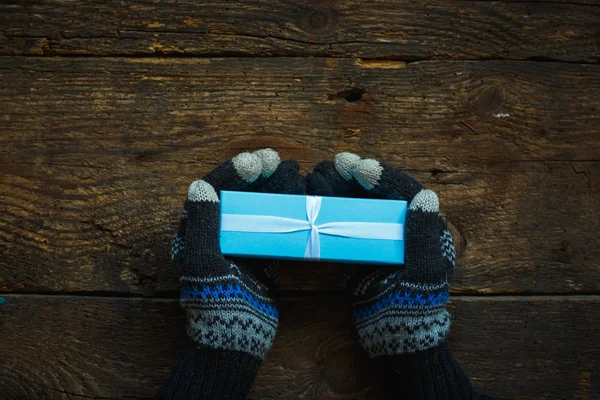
401 29
122 348
109 110
97 155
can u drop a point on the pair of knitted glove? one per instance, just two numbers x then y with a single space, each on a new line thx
398 311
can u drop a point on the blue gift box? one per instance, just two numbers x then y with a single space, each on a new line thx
247 221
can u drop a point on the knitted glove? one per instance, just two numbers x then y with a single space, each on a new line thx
230 308
396 309
399 311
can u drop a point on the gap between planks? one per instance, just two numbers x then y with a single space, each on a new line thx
367 62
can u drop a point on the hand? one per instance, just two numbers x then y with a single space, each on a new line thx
396 309
229 306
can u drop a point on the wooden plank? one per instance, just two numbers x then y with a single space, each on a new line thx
96 156
61 347
397 29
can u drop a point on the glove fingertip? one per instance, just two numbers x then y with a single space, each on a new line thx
368 173
248 166
345 163
426 200
202 191
269 159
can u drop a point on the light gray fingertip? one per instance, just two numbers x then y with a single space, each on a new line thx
345 163
270 161
368 173
248 166
426 200
202 191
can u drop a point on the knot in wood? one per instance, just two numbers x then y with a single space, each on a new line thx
488 100
318 20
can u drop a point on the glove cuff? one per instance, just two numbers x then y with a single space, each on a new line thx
426 375
205 373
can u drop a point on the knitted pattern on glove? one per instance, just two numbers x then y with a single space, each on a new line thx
397 309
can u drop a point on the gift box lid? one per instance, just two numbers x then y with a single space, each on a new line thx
293 245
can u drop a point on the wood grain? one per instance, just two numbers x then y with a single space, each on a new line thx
96 156
61 347
396 29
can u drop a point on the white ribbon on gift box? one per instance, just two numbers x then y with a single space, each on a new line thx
272 224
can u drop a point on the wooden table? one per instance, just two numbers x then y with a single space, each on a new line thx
110 109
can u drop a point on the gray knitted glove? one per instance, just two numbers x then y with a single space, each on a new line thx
396 309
